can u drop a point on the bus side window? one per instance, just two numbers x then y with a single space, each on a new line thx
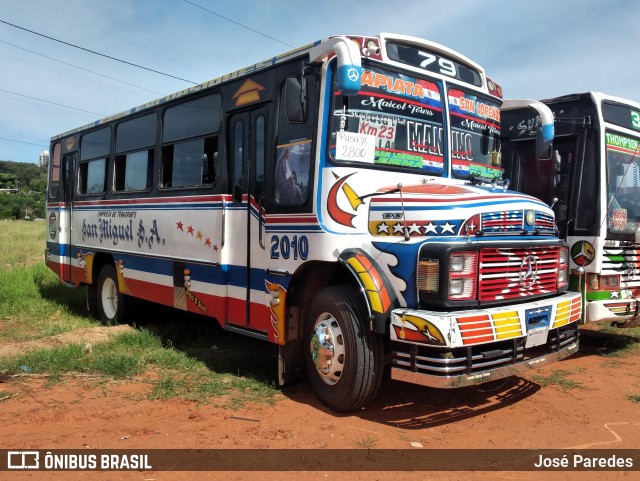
134 171
294 158
190 164
54 172
92 176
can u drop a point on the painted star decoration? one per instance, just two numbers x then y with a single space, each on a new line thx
197 234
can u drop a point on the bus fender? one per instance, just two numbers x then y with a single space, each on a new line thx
379 295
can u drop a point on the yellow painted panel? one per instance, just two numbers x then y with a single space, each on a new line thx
507 324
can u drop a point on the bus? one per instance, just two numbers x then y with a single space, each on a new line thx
592 180
339 201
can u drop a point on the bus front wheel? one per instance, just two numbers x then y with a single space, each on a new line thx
110 299
343 359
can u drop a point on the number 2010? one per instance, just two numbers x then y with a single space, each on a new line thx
285 247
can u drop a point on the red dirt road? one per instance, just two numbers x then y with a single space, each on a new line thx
516 413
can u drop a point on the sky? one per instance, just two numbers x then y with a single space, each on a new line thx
533 49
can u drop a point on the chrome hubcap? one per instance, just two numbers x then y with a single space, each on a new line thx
327 348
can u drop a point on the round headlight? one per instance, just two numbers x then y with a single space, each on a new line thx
530 217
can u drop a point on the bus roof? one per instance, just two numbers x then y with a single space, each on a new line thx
196 88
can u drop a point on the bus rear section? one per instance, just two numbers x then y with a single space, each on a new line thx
345 201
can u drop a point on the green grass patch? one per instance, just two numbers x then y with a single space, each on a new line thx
634 398
611 342
23 243
558 378
133 353
189 356
33 304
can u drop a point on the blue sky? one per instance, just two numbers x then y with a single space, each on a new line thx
534 49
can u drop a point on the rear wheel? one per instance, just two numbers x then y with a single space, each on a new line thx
344 360
110 301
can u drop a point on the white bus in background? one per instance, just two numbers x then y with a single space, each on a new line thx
593 182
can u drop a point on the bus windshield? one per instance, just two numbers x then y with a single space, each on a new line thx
396 122
623 189
475 136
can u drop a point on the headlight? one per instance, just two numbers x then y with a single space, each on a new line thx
563 268
463 275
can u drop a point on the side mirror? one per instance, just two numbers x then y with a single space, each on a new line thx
296 99
544 143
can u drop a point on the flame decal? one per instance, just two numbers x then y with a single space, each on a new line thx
277 306
335 212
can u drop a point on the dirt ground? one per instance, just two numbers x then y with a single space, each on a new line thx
519 412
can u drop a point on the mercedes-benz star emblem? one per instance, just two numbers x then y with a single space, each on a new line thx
632 272
528 271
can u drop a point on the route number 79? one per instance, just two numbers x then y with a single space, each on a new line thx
445 66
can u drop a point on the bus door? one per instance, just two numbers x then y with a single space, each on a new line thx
65 215
244 233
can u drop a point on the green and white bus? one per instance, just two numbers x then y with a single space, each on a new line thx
592 180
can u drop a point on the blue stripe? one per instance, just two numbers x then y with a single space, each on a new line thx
62 250
220 275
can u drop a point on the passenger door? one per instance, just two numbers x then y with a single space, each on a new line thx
244 235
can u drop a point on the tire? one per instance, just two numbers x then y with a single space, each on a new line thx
110 302
343 358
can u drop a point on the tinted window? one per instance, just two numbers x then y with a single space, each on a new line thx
133 171
191 119
93 178
136 134
191 163
238 161
96 144
54 172
258 184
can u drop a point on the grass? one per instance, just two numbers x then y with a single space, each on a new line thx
558 378
173 352
366 443
611 342
634 398
32 303
22 243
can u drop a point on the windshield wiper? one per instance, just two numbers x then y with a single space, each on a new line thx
392 191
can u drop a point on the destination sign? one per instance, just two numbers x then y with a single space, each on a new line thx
620 114
433 62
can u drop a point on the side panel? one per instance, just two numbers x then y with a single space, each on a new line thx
168 250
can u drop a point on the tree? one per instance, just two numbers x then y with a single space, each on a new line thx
32 182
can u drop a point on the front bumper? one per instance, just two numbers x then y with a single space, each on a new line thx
624 312
471 347
414 369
